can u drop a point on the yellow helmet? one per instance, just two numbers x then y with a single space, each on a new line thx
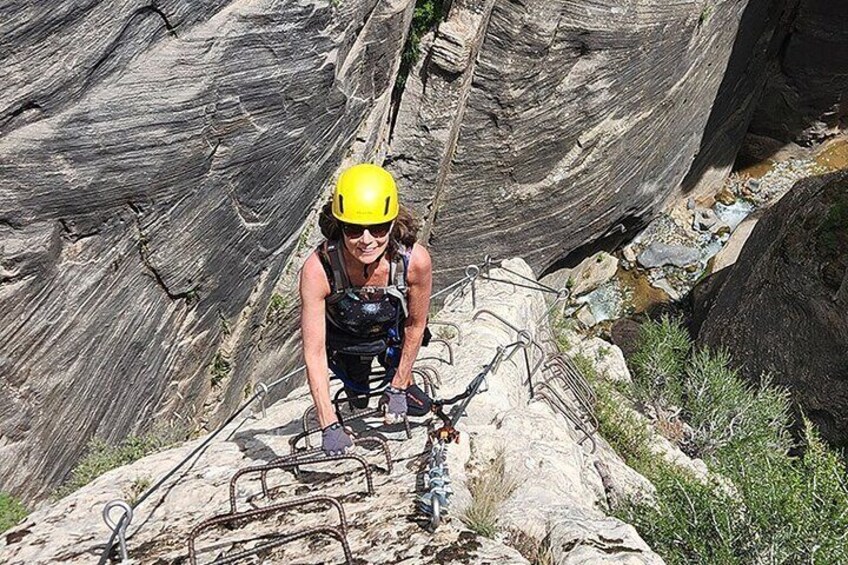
365 194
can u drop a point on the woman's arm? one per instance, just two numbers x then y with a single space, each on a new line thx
314 289
419 279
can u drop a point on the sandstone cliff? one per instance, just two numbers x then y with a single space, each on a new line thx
556 124
157 163
805 100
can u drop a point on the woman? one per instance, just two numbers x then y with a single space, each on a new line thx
365 293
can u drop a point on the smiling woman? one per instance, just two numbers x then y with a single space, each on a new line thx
365 294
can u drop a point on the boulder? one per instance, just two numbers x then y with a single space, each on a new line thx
591 273
725 196
704 219
729 253
659 254
781 308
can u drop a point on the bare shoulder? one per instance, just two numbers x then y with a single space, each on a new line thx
313 278
420 264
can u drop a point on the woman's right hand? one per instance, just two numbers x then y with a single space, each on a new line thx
335 440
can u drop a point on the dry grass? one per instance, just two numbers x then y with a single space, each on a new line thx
489 489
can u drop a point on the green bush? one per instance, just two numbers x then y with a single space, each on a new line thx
11 511
776 508
690 521
659 362
561 326
724 411
797 507
101 457
427 15
622 428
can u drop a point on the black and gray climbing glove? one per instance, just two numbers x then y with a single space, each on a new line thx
417 401
393 405
335 440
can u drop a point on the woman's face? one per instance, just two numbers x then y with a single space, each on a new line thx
366 243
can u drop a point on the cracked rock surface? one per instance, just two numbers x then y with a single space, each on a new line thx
561 496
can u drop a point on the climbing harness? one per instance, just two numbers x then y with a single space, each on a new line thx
349 306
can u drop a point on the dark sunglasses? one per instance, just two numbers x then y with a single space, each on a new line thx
355 231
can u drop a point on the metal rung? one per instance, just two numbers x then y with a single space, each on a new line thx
582 417
293 462
230 519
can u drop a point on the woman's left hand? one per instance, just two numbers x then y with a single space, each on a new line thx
393 405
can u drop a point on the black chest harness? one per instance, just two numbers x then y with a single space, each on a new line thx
364 320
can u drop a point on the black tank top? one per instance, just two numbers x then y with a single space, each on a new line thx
363 317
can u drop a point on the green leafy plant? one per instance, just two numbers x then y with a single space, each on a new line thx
446 333
225 325
101 457
587 367
561 326
220 368
626 433
689 521
834 229
724 410
11 511
276 307
770 506
137 488
659 362
706 13
425 17
192 296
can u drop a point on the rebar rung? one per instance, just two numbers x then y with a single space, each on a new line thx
231 518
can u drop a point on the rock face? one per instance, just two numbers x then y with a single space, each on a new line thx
569 122
561 486
156 165
783 306
805 100
159 161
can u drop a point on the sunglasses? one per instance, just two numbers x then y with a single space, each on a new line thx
355 231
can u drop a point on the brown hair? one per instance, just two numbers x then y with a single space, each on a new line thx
404 230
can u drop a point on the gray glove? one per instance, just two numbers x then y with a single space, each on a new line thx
334 440
393 404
